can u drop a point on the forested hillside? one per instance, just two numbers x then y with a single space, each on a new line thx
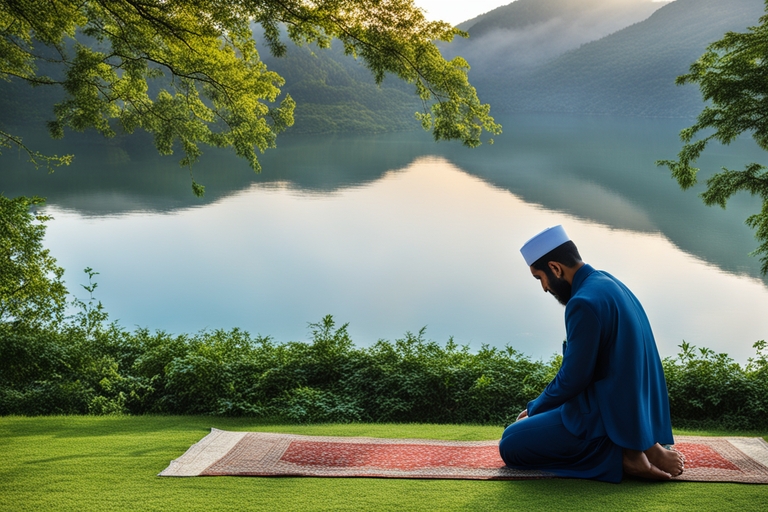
336 93
524 13
581 56
528 33
630 72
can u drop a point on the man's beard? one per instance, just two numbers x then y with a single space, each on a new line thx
559 287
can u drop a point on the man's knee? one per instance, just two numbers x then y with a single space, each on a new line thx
529 441
511 446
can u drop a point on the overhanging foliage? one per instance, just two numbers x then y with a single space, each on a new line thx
190 72
733 77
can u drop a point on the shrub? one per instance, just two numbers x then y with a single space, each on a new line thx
708 389
103 369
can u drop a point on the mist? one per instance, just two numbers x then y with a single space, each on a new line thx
528 33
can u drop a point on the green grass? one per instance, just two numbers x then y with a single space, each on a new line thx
111 463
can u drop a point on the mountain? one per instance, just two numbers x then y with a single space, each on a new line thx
581 56
336 93
529 32
629 72
523 13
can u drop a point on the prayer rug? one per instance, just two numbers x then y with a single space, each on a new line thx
223 453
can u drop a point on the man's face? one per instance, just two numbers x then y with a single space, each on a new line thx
557 286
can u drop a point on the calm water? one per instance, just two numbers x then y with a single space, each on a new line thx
394 232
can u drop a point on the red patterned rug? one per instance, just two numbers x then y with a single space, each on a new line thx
220 453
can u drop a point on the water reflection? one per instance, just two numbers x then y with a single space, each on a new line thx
595 168
393 232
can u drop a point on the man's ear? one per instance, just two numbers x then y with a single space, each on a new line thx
556 268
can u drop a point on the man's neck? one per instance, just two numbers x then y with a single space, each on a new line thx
569 272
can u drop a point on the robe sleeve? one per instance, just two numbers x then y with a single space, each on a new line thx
583 335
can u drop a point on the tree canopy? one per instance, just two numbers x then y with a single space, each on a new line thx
31 288
733 76
189 71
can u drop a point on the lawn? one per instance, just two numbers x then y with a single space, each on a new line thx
110 463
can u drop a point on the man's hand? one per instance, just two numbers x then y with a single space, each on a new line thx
522 415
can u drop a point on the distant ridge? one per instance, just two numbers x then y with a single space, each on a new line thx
578 56
629 72
336 93
524 13
528 33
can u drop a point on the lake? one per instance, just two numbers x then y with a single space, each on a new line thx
394 232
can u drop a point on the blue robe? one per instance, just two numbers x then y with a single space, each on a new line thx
610 391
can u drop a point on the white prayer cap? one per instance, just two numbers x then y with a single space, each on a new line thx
542 243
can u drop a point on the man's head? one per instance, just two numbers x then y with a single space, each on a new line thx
553 259
552 270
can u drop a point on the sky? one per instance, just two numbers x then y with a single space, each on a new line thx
455 12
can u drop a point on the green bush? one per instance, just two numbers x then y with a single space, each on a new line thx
711 390
107 370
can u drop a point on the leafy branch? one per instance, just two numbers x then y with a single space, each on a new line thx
37 158
733 76
202 56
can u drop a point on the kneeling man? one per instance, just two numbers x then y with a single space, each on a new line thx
606 412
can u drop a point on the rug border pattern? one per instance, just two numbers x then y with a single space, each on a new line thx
231 453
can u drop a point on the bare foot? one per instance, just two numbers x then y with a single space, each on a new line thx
636 463
669 461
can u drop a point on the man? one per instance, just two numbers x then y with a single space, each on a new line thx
606 413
